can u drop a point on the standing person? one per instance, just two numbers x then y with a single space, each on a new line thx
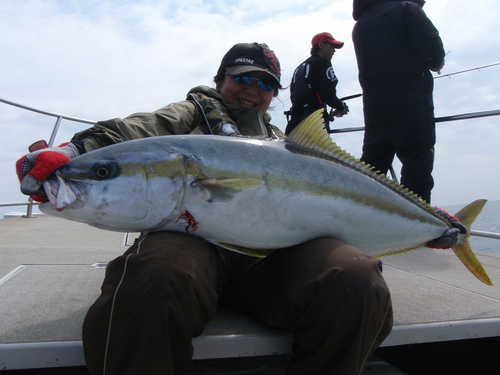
396 47
314 83
165 288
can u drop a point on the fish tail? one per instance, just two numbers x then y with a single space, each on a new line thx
462 249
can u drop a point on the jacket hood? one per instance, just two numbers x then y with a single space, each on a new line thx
361 6
234 112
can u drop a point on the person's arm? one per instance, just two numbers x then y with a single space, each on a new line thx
438 68
327 84
33 168
423 37
175 118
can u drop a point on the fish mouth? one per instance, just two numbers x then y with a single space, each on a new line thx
63 193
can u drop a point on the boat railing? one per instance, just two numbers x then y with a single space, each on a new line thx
29 210
464 116
59 118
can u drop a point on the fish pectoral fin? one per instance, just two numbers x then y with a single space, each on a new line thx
241 250
395 252
223 190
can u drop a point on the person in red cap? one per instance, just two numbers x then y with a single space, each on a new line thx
314 83
164 289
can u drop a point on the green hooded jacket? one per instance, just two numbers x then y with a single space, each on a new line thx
204 111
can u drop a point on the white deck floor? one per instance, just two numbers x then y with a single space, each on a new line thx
51 271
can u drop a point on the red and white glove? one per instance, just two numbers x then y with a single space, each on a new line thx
33 168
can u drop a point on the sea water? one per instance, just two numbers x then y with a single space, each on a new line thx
487 221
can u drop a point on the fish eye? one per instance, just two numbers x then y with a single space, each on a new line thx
104 171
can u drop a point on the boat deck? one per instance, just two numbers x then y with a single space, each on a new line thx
51 271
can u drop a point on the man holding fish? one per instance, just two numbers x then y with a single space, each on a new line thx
166 287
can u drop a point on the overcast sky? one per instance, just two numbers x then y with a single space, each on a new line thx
100 59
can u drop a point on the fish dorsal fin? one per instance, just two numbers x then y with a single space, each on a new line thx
312 139
311 134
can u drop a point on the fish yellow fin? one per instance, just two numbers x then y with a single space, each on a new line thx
465 254
223 190
241 250
466 216
312 135
462 249
311 138
395 252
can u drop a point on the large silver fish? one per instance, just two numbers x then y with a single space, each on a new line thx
248 194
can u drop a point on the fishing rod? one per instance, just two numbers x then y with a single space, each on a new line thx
468 70
440 76
463 116
332 112
351 96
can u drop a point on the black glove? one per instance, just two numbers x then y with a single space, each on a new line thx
449 238
344 110
452 220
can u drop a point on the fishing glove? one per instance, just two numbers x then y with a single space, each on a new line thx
450 237
447 240
452 220
342 111
339 112
33 168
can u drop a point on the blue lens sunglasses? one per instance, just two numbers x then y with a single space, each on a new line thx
246 79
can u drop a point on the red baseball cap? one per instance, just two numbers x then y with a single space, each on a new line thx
326 37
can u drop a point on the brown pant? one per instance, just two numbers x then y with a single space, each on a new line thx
165 289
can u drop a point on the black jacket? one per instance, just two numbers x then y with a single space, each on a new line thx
314 85
395 44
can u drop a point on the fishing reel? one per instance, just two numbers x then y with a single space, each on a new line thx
338 112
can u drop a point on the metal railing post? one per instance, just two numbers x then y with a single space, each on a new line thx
30 204
54 131
29 210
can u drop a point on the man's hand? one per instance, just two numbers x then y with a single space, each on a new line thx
452 220
33 168
437 69
450 237
343 111
339 112
447 240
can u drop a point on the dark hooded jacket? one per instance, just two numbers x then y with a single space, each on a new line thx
395 44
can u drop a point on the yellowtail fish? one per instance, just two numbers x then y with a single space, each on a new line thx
250 194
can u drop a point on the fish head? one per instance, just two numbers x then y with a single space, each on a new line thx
116 188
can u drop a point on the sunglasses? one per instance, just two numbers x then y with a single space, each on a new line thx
246 79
